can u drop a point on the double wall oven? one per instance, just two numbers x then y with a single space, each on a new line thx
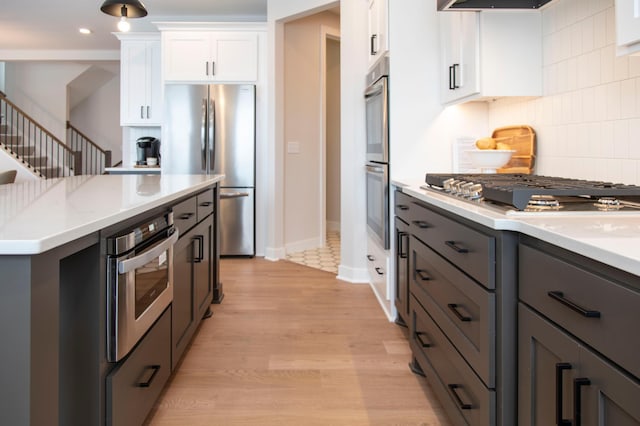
377 167
139 281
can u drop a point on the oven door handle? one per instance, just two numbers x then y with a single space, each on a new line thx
125 266
374 169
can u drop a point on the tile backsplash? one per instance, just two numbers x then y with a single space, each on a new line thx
588 121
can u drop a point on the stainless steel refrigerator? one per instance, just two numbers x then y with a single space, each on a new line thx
211 129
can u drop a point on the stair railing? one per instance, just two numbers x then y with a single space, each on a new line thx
94 158
38 148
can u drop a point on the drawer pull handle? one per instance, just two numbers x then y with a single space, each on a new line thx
422 274
418 337
199 257
456 247
577 399
453 307
371 258
421 224
403 207
379 270
186 216
454 392
403 241
154 370
560 367
559 296
206 203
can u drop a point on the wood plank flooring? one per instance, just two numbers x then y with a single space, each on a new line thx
291 345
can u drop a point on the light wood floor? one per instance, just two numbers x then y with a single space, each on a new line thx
291 345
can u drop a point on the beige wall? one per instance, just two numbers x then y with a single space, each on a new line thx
98 117
333 135
302 129
40 89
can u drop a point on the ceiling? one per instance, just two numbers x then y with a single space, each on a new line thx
54 24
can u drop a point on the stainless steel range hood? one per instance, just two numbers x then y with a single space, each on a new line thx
490 4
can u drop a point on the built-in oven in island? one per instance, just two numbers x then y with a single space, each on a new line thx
139 281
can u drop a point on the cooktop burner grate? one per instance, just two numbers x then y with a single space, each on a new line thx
517 189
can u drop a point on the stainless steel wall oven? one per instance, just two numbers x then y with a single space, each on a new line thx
377 168
139 282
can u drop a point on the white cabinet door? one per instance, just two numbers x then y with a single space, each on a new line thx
236 56
186 56
628 26
210 57
140 87
378 30
459 43
487 55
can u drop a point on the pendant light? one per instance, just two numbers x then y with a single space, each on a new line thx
124 9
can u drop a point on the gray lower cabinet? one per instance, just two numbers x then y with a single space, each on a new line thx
562 382
577 344
134 386
462 295
402 233
193 265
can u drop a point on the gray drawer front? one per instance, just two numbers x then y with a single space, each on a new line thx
403 206
454 381
618 306
128 402
470 250
185 215
464 310
205 204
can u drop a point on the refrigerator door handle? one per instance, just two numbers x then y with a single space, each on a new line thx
225 195
203 135
212 136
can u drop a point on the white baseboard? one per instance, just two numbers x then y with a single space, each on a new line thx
303 245
274 253
333 226
353 275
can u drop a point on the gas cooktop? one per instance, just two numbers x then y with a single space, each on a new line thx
537 193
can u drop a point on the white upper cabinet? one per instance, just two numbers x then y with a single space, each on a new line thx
488 55
628 26
378 30
140 85
210 56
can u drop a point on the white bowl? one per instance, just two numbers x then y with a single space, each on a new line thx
489 160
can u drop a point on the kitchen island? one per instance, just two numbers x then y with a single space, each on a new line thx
519 318
52 291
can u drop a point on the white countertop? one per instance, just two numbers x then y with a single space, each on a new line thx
613 239
133 170
37 216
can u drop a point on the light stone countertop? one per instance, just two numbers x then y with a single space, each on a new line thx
133 170
40 215
612 238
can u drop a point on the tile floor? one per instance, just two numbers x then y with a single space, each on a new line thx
325 258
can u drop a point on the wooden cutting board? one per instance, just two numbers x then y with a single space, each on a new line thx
522 139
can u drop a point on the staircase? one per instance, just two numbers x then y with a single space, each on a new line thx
44 154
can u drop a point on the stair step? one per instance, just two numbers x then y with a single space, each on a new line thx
35 161
22 150
50 172
11 139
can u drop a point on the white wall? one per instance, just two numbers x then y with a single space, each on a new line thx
7 162
303 128
588 121
98 117
40 89
421 129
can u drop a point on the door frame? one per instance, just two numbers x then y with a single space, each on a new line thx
326 33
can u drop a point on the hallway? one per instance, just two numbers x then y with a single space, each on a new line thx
291 345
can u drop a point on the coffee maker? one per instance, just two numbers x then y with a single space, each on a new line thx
147 147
